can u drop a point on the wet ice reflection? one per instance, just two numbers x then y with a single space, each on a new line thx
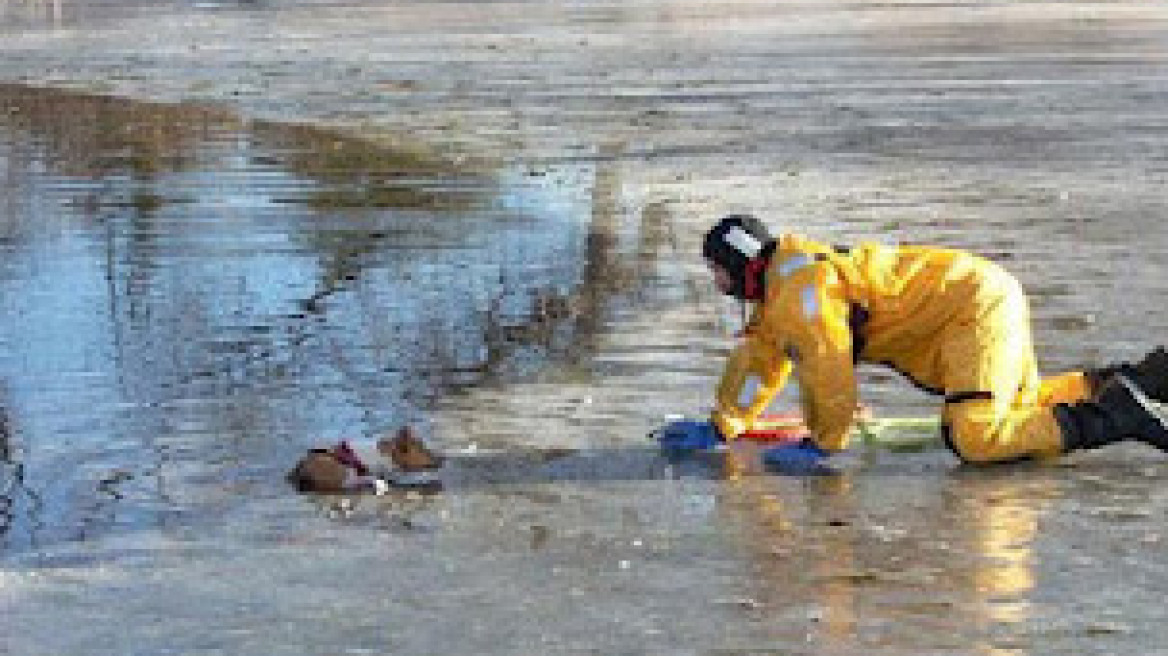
228 286
894 561
181 291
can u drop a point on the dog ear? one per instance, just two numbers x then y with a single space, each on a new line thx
410 453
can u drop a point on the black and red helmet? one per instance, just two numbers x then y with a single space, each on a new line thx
739 243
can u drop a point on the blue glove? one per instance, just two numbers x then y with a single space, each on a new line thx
802 458
685 436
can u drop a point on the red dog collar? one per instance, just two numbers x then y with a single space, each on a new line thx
348 457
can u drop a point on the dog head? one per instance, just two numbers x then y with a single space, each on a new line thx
334 469
319 471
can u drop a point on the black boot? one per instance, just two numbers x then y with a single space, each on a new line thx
1150 374
1119 411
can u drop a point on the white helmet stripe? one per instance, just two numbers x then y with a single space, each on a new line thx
743 242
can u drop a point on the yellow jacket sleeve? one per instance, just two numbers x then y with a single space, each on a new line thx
752 364
820 340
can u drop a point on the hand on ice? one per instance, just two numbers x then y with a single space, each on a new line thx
802 458
686 435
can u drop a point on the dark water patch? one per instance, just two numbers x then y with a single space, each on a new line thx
190 294
358 174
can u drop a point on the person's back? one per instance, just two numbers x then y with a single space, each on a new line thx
904 300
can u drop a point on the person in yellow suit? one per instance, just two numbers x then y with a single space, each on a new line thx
954 323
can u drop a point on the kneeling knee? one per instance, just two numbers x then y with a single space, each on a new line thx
973 446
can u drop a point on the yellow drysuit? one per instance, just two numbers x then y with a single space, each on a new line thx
955 324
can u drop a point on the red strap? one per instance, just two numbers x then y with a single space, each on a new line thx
779 427
791 434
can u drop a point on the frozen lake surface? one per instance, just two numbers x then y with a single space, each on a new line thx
230 231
